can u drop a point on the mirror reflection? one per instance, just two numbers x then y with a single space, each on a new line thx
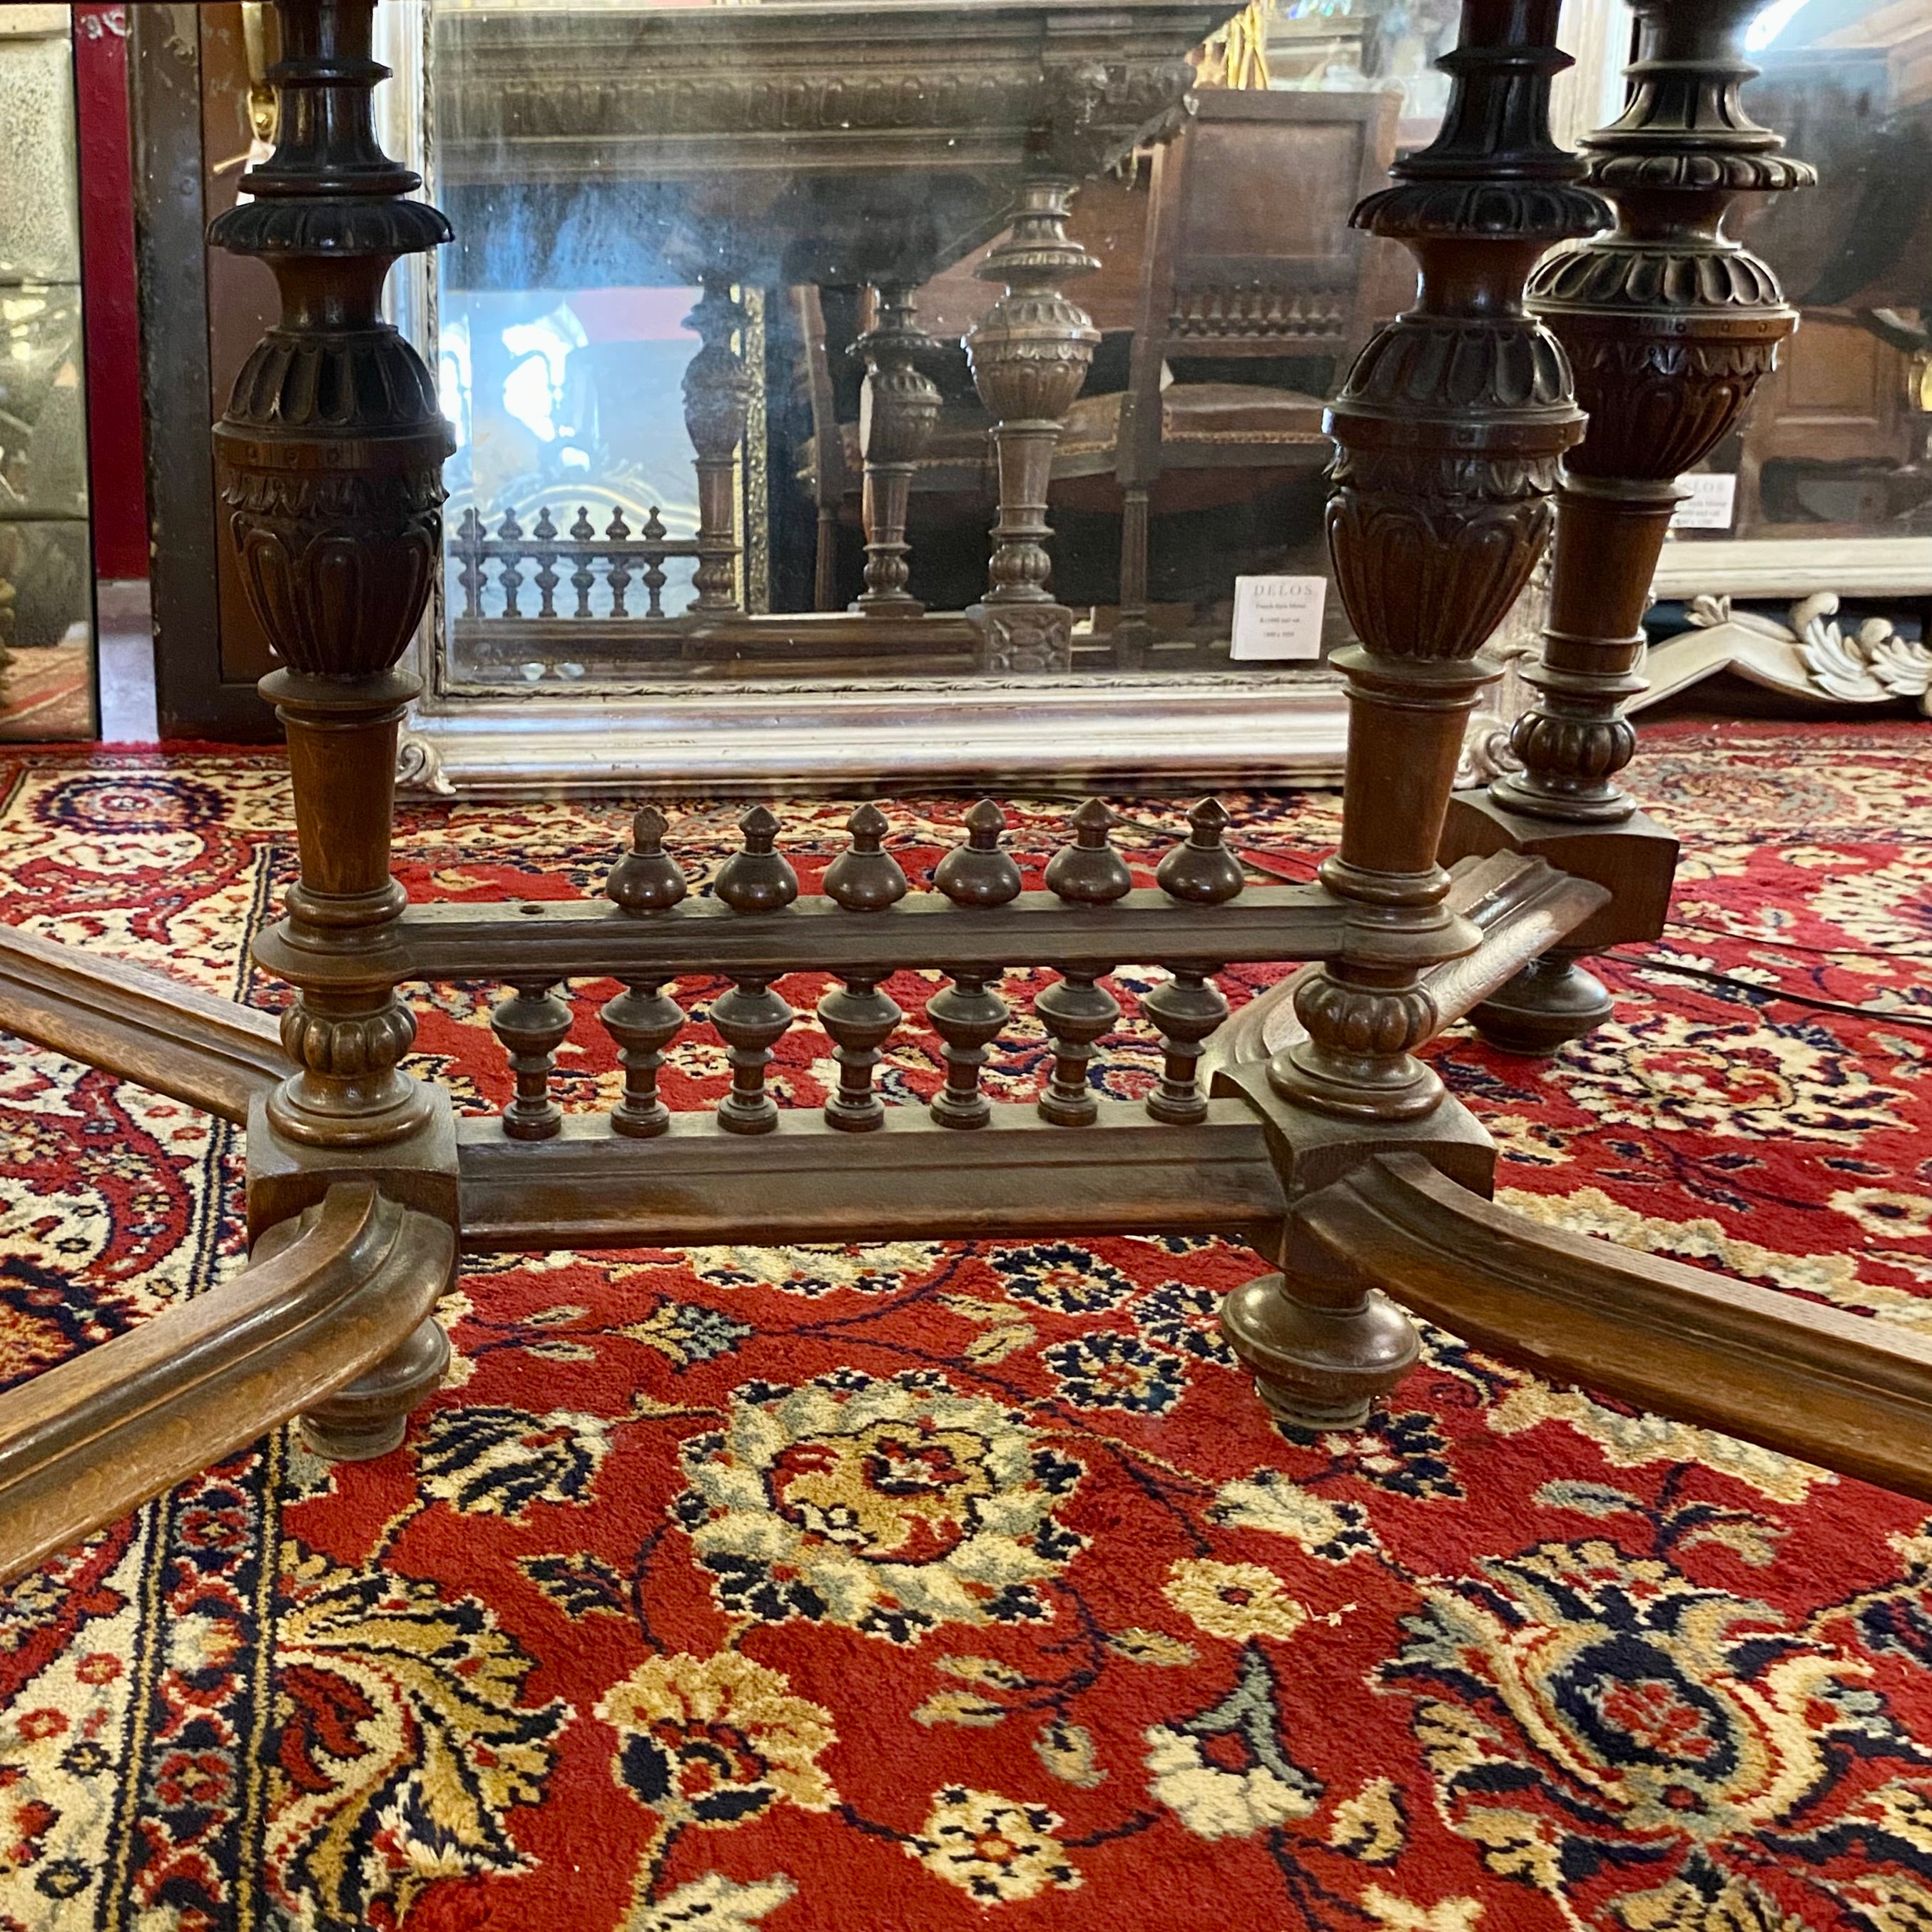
1834 444
725 326
46 582
749 304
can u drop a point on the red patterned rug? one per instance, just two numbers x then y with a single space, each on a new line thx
932 1587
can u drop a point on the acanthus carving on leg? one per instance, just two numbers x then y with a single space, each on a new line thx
329 460
1670 324
1449 429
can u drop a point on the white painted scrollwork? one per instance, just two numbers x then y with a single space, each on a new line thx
1811 653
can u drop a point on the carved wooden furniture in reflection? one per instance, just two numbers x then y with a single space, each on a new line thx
901 409
1340 1158
953 477
939 439
803 145
1670 326
1838 423
1236 270
556 569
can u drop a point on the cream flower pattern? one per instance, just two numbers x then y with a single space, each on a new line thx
818 1269
995 1850
713 1741
1582 1710
1225 1770
396 1705
1236 1600
889 1506
1761 1078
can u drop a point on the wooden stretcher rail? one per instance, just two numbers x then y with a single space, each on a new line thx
146 1027
554 940
1019 1177
1523 905
1847 1390
94 1437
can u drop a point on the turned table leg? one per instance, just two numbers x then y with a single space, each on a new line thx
1030 353
1449 428
330 460
717 398
1669 325
901 404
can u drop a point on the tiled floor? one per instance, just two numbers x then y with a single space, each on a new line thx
127 651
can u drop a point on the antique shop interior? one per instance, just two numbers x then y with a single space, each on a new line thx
966 963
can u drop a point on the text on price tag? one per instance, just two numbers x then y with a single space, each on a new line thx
1278 616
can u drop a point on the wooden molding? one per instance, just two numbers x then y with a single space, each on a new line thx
85 1442
1849 1391
144 1026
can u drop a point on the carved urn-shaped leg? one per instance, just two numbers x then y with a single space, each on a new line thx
1669 325
902 407
329 460
1449 429
717 398
1030 354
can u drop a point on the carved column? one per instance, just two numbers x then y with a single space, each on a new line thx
717 395
329 461
1449 430
1030 353
901 405
1669 325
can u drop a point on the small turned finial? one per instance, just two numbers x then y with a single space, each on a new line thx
1203 872
866 878
1090 871
757 879
978 873
646 878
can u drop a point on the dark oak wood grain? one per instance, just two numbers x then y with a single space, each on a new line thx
583 939
329 460
1449 430
1522 907
1670 326
1018 1176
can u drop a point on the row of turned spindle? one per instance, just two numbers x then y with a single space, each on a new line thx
857 1015
545 546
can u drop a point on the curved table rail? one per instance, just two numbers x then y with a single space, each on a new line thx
327 1296
1848 1391
1523 905
142 1025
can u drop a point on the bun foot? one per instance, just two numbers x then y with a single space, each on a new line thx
1317 1367
1551 1000
367 1418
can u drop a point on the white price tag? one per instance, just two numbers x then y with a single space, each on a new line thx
1710 505
1278 616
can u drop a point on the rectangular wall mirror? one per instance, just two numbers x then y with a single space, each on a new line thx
724 483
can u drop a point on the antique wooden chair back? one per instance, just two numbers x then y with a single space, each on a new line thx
1237 272
823 469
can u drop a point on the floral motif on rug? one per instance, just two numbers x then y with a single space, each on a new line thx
934 1586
